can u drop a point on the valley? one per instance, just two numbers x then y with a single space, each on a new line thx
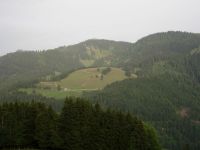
156 79
99 75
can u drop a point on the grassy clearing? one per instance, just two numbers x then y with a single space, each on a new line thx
91 78
86 79
77 82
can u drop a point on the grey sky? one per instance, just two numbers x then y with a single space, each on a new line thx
43 24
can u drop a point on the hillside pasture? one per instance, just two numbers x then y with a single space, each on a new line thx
91 78
88 79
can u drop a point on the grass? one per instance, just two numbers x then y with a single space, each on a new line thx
90 78
77 82
87 79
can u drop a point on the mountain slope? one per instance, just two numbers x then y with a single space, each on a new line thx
165 94
161 46
26 67
170 103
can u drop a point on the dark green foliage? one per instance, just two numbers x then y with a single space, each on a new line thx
106 70
79 126
46 129
167 65
24 97
159 100
17 124
192 64
162 46
127 73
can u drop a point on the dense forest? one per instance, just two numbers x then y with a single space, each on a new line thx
165 93
169 104
25 98
79 126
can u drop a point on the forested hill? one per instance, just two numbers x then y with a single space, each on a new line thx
171 104
162 46
24 67
165 92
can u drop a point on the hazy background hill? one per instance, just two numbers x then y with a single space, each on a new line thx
25 67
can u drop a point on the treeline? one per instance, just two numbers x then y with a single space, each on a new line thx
79 126
17 96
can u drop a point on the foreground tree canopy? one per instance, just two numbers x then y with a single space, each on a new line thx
79 126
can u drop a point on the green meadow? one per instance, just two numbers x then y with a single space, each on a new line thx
89 79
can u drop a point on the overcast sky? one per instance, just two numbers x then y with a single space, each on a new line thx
43 24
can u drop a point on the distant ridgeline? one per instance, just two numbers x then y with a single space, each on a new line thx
164 92
23 68
79 126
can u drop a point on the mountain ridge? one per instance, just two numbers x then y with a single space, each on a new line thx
102 39
165 93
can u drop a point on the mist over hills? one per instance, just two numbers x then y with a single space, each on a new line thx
95 53
164 94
